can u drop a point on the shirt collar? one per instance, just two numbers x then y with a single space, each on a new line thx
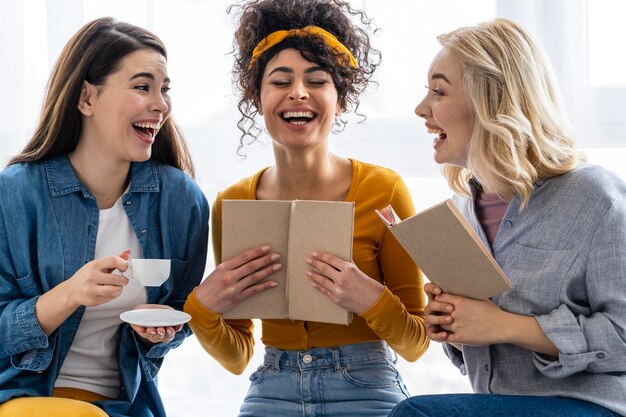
63 180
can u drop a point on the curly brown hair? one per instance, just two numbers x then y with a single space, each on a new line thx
259 18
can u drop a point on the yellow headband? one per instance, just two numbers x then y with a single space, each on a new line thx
280 35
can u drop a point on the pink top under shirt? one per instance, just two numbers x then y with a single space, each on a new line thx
490 210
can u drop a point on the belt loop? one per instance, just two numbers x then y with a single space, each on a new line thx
275 362
336 359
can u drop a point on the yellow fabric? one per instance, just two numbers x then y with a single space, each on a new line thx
280 35
49 407
397 317
78 394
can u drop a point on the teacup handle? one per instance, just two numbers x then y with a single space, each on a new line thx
128 274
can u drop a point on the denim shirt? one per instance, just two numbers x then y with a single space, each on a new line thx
48 229
565 254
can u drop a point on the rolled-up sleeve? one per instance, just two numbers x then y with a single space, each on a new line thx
595 342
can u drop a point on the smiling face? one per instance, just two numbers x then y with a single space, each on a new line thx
122 117
298 100
447 110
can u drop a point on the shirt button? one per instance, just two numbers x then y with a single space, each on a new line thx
601 355
486 367
144 231
307 359
508 224
127 202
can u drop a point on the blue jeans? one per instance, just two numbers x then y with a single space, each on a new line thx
485 405
359 379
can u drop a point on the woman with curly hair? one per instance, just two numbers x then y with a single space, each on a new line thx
301 65
555 345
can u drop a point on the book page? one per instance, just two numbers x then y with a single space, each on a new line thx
250 223
320 226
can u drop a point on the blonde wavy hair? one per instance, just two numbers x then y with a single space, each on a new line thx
521 132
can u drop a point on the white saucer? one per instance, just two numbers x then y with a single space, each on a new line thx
155 317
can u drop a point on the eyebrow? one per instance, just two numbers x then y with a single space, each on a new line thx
290 70
439 76
147 75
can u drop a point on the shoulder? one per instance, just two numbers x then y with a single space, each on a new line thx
175 183
21 172
589 181
376 175
375 186
17 179
244 189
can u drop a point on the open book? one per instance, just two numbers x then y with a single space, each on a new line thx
294 229
448 250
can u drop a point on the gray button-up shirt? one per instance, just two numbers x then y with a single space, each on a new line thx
565 254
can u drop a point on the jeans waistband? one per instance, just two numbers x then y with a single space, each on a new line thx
328 357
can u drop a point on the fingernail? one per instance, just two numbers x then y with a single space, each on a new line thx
276 267
314 254
265 248
275 257
448 308
309 260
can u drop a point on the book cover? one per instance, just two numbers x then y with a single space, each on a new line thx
448 251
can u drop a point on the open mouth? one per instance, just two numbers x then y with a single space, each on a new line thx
147 129
441 134
298 118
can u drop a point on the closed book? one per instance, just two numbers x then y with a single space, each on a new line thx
448 251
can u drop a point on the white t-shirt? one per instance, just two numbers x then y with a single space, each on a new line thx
91 363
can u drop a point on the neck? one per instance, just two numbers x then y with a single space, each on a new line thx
105 179
306 176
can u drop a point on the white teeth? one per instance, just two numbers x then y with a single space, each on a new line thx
436 131
307 114
154 126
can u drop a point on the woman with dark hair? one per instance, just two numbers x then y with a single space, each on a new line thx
301 65
103 178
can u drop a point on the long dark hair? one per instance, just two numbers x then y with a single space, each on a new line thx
92 54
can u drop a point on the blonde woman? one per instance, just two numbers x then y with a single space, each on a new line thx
555 344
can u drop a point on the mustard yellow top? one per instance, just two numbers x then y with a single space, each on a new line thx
398 315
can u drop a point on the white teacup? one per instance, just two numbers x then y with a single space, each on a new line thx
149 272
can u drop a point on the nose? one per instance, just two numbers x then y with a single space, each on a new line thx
160 103
298 91
423 108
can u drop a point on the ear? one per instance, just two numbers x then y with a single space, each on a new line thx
86 100
257 104
339 110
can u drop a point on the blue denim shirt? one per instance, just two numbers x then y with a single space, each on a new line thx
48 229
565 254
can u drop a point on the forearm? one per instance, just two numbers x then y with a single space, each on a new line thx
53 308
229 343
524 331
404 332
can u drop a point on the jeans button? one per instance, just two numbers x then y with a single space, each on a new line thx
307 359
